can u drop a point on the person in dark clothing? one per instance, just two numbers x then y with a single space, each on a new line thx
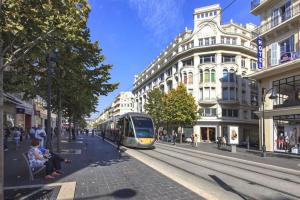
6 135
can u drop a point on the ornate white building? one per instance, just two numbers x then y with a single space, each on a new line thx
211 61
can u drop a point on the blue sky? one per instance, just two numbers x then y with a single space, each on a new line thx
133 32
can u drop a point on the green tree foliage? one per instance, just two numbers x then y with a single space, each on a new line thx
181 108
154 106
32 28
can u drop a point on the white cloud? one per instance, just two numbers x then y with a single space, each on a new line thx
162 17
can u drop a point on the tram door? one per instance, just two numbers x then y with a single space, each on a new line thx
128 127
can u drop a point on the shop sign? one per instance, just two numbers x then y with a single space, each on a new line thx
233 134
20 110
285 57
259 53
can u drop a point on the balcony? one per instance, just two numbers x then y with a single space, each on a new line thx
229 101
275 22
207 101
258 5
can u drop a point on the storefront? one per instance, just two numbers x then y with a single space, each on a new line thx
287 133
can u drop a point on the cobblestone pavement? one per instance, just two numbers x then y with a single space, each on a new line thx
101 172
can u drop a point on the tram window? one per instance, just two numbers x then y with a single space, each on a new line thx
120 125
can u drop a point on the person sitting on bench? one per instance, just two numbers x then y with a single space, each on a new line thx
57 159
37 159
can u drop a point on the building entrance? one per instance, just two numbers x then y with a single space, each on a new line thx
208 134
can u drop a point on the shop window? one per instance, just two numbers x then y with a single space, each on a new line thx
288 92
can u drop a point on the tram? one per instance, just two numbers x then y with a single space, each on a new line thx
131 129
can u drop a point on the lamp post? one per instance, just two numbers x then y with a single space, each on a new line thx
50 58
272 97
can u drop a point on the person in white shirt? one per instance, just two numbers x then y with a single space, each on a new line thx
40 134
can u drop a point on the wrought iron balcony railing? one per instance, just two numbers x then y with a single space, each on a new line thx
289 13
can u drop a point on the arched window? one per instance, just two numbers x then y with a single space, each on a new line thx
231 76
225 75
184 78
213 76
190 78
201 76
206 76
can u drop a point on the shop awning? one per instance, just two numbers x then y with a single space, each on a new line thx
28 108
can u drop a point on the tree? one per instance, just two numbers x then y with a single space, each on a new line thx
29 30
181 108
154 106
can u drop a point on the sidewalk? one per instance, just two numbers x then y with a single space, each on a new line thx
98 171
280 160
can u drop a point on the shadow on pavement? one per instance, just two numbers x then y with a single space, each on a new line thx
119 194
226 187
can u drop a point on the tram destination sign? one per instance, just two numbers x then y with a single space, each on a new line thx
259 52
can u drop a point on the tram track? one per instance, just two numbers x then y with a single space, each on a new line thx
167 159
257 170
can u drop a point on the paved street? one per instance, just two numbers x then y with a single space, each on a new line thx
222 177
100 172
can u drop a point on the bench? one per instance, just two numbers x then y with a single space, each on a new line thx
32 171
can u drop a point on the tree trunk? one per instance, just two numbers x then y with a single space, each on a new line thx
59 120
49 131
70 129
1 115
1 132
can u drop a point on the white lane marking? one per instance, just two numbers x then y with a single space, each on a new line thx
281 169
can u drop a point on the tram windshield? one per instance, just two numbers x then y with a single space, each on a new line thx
143 127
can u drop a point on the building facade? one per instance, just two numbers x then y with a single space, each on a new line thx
279 37
210 60
123 103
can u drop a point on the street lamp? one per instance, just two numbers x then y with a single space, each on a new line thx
272 97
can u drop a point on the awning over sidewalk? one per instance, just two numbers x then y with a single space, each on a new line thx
28 108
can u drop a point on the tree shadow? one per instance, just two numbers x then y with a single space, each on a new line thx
227 187
125 193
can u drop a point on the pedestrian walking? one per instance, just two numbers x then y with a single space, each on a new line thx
196 140
16 135
32 132
192 137
174 135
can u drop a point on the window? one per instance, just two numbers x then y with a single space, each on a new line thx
213 76
190 78
202 15
243 62
234 41
225 76
228 58
206 93
230 112
225 93
213 93
232 93
274 54
222 40
175 68
213 40
253 115
245 114
190 91
169 72
253 65
162 77
184 78
228 41
201 94
209 112
288 92
206 76
200 42
206 41
231 76
201 76
207 59
188 62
